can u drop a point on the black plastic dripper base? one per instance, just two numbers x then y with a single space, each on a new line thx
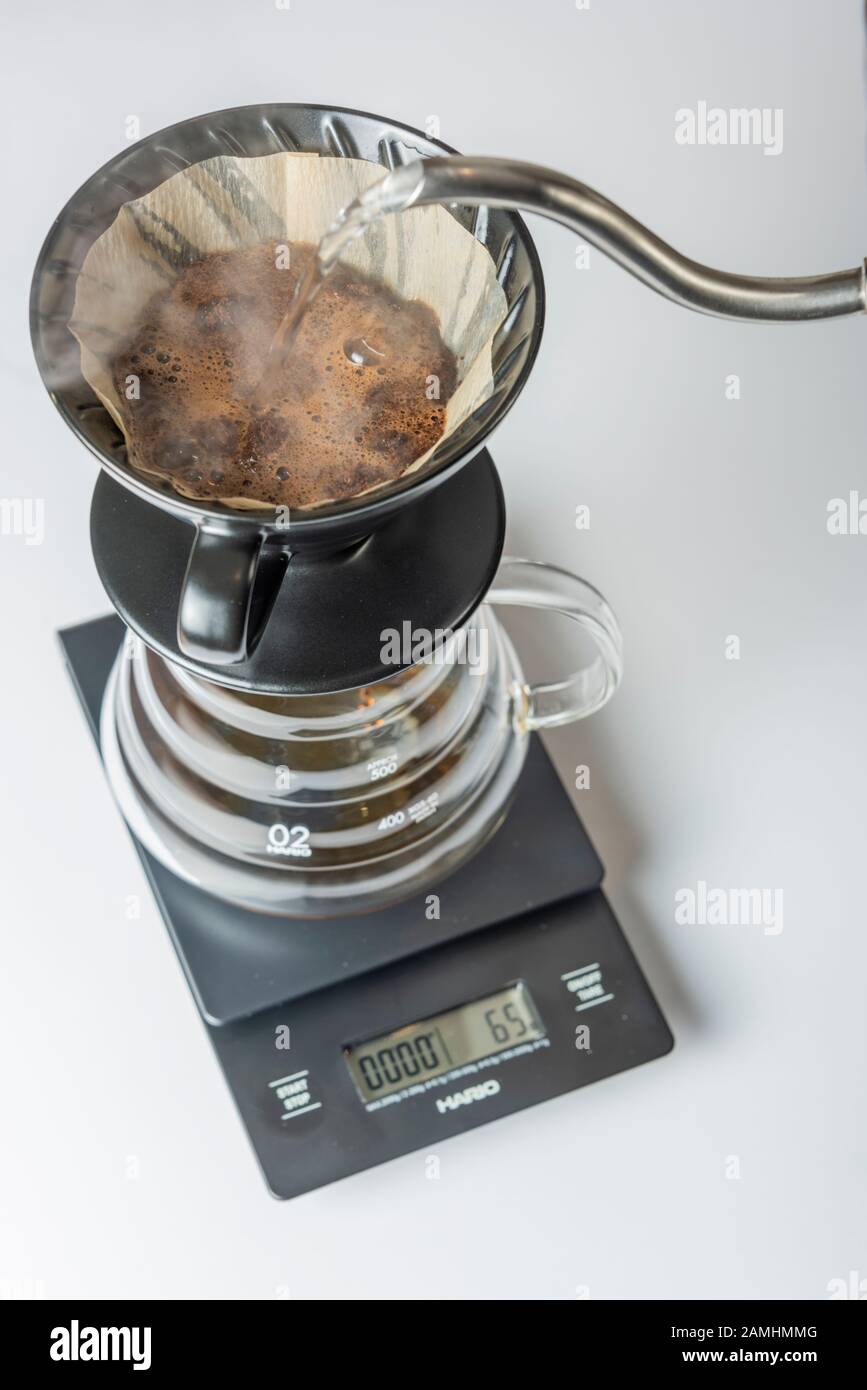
430 565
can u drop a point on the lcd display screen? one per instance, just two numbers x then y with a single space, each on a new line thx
420 1051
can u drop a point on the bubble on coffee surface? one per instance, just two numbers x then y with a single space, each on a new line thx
346 410
361 353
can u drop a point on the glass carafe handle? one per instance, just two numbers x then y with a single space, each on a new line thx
533 584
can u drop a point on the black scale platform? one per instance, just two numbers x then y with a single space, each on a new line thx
527 908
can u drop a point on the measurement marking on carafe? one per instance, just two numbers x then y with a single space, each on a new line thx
420 810
289 841
383 766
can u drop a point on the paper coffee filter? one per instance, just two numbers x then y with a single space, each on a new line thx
226 203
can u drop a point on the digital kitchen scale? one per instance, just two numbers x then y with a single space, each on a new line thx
350 1041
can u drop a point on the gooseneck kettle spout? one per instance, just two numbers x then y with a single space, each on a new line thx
503 183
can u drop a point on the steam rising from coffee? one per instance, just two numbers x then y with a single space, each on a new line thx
390 349
318 403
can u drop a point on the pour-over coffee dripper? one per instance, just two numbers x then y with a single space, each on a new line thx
234 760
212 609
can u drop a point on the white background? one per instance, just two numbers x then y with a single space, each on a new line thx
708 518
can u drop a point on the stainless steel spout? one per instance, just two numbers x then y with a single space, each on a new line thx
502 183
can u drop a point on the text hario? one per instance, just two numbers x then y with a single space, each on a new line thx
730 907
467 1097
75 1343
711 125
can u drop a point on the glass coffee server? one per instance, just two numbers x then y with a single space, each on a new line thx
345 801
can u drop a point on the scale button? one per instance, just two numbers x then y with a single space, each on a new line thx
586 986
294 1095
